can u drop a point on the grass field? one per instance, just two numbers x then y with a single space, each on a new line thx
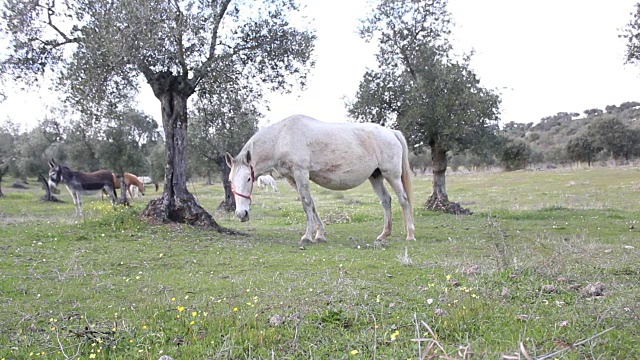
548 259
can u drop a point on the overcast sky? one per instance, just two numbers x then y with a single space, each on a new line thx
543 56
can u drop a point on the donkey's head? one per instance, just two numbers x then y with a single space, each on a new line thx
241 178
55 173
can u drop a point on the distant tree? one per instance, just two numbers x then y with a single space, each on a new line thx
8 134
436 101
4 169
629 105
99 49
582 148
125 137
223 122
614 136
556 154
154 164
592 112
515 154
420 161
35 147
485 159
535 156
81 143
611 108
6 151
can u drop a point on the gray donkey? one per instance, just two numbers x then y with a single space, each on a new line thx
78 182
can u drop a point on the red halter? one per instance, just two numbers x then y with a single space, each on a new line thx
253 179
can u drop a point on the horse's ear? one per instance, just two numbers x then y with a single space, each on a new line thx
52 163
229 159
248 157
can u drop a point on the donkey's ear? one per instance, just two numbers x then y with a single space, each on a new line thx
229 159
52 163
247 158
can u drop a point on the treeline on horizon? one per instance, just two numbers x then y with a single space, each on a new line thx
595 137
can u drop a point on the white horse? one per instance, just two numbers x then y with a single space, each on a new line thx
335 156
267 180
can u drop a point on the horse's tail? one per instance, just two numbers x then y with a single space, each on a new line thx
406 174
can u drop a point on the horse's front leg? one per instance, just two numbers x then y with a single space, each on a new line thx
314 223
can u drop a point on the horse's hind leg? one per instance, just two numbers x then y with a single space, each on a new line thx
377 182
407 211
314 223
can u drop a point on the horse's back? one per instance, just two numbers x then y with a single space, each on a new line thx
338 156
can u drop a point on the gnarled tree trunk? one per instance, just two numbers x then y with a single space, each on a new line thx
439 200
176 204
229 202
45 185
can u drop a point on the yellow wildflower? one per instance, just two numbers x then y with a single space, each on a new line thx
354 352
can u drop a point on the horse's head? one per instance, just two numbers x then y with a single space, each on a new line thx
55 173
241 178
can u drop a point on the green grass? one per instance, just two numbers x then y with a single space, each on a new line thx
110 286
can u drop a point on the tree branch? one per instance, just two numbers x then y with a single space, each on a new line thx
50 13
179 40
199 72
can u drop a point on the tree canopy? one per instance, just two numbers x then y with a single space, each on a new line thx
420 87
100 50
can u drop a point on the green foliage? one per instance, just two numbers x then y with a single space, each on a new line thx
418 87
632 35
127 139
247 43
614 136
550 137
223 120
8 135
100 51
515 154
582 148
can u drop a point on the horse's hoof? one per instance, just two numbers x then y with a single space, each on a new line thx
411 239
321 240
305 241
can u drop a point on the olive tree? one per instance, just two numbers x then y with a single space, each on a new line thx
435 99
100 51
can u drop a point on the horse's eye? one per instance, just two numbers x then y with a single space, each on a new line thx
249 179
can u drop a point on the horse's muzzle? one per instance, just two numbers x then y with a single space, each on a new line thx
52 184
243 215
